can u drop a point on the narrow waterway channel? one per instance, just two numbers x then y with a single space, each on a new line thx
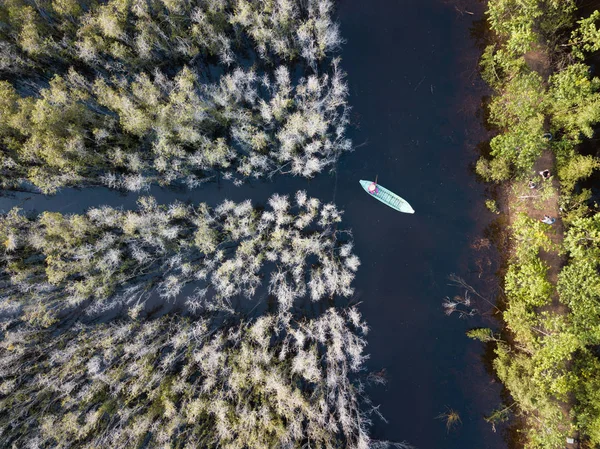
411 68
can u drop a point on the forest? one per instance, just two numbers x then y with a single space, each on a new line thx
58 265
178 382
540 62
129 93
147 326
126 94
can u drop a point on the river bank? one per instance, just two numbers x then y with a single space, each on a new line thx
542 109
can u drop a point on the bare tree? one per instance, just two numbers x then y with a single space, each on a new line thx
55 264
270 382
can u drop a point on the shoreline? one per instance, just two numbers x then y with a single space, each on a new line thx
536 352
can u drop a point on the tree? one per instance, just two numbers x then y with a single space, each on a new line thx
586 37
56 264
260 383
574 101
158 130
577 168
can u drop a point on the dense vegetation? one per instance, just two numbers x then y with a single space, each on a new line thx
122 93
121 35
127 93
109 258
532 100
172 382
547 99
206 379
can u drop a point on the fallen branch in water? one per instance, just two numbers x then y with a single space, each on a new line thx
457 281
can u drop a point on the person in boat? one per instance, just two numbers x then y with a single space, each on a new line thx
532 185
545 174
548 219
373 190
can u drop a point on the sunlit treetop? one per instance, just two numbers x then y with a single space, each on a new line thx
54 265
128 35
272 382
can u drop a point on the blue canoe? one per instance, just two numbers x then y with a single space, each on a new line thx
387 197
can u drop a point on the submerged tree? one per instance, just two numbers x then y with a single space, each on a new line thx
268 383
55 263
126 93
124 35
156 129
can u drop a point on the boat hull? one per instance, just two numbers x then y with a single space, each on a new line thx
388 198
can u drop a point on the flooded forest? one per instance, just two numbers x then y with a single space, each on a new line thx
191 251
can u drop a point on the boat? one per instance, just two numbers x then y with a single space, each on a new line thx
387 197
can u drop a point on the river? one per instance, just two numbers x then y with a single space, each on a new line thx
412 68
415 94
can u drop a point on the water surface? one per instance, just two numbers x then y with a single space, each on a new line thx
411 68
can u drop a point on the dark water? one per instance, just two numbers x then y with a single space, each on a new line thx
415 93
412 69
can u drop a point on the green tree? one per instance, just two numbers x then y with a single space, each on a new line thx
586 37
577 168
574 101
